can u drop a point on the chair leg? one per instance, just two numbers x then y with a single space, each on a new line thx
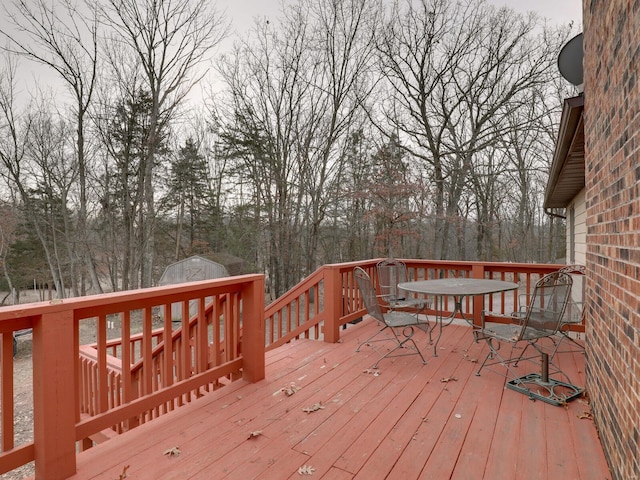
370 339
493 354
407 332
564 335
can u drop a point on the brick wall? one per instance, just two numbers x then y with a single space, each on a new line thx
612 156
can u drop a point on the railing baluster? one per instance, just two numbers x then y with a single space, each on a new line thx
6 395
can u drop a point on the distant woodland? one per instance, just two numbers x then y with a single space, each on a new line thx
339 130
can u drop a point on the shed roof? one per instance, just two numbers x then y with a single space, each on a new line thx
192 269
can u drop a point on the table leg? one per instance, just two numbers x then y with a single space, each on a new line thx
457 307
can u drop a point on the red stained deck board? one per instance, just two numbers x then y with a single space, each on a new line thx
440 406
367 424
582 431
367 394
560 450
269 463
457 431
377 400
199 419
487 392
245 416
333 474
533 429
287 423
380 446
270 416
503 455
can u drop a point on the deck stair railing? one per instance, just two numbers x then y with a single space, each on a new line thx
89 369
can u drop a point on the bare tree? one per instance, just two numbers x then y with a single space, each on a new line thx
453 72
171 41
267 96
53 171
8 227
65 39
294 91
123 128
17 132
342 46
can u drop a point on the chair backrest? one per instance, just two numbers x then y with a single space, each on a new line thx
548 303
575 308
368 292
391 272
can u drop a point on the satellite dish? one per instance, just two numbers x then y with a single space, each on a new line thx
570 61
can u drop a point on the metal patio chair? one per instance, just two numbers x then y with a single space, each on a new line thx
392 272
574 314
397 327
541 320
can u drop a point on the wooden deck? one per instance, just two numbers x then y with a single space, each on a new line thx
411 421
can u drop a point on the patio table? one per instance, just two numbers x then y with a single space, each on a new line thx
458 288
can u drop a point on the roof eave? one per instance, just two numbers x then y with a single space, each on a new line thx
566 176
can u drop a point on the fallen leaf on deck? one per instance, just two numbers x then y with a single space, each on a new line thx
313 408
586 415
290 390
254 434
448 379
172 452
306 470
123 475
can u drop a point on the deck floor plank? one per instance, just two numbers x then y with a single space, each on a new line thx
334 437
192 426
400 424
251 416
487 391
391 433
502 458
440 404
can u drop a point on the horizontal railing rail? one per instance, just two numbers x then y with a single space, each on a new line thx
218 351
124 389
499 306
118 383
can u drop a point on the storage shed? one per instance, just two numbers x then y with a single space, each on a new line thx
192 269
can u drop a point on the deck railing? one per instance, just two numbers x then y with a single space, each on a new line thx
129 382
80 391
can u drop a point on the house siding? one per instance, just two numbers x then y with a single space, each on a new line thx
612 130
579 231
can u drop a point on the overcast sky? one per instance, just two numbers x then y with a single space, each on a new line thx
242 12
